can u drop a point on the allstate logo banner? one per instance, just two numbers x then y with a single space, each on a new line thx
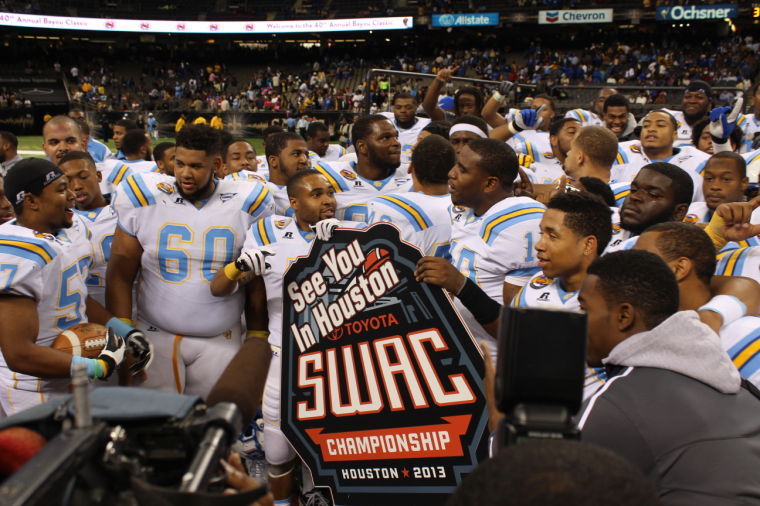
697 12
382 394
575 16
479 19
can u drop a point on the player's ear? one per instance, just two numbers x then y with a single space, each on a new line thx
680 212
361 146
681 268
100 176
31 201
590 245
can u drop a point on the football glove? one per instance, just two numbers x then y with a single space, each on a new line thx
527 119
254 260
723 120
141 350
113 353
501 94
324 229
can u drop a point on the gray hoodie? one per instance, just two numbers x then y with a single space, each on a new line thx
676 407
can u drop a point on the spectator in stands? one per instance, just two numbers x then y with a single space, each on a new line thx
665 366
8 151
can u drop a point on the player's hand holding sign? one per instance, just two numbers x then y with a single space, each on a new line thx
324 229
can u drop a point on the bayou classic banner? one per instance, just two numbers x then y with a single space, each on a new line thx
381 383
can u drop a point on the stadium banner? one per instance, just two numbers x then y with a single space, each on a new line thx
454 20
697 12
381 394
209 27
575 16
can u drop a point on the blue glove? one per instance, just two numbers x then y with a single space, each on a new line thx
723 120
527 119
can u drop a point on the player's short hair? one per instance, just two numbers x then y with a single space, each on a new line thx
271 130
549 99
585 214
128 124
132 142
84 127
639 278
315 127
10 138
432 159
559 124
232 141
681 182
497 159
469 90
160 149
295 180
363 126
199 138
597 187
472 120
735 137
62 119
616 100
275 143
739 163
599 144
555 473
438 128
676 239
78 155
673 120
403 96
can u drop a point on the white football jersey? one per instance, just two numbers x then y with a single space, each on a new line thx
141 166
184 245
741 340
353 192
620 190
263 166
279 193
542 292
534 143
407 136
113 172
753 166
334 152
687 158
621 239
495 246
548 171
750 125
739 262
683 131
102 224
51 270
423 220
246 175
586 117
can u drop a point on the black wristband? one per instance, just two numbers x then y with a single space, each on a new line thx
483 308
718 140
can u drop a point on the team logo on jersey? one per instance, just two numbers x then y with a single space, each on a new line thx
282 223
43 235
540 282
287 235
616 228
347 174
544 297
635 148
549 155
691 218
166 188
224 197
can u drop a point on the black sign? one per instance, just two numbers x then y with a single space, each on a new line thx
382 394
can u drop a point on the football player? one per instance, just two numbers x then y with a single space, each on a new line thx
239 158
135 146
423 215
594 117
464 129
59 136
44 261
270 247
318 141
163 155
120 129
658 133
696 104
94 209
724 180
550 169
404 118
177 232
376 171
493 232
97 149
750 123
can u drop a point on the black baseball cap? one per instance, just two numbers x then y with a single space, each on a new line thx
30 175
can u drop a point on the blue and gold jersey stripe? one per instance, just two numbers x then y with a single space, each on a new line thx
37 250
731 261
580 115
494 225
746 354
255 201
119 173
414 214
621 157
138 192
335 180
262 231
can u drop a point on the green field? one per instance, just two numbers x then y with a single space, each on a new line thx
34 143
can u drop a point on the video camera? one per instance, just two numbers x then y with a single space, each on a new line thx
126 446
539 374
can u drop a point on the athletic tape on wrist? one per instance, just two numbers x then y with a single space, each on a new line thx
730 308
232 272
121 326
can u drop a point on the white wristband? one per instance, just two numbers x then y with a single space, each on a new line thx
499 97
730 308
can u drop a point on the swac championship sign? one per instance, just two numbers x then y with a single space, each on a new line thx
381 383
479 19
696 12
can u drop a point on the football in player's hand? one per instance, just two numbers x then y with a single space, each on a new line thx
82 340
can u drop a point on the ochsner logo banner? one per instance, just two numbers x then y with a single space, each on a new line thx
696 12
575 16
